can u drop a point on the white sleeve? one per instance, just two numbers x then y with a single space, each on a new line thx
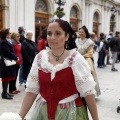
32 83
84 81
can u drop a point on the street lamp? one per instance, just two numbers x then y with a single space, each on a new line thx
60 2
113 11
112 22
59 12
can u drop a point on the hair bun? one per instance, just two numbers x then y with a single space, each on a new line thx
83 26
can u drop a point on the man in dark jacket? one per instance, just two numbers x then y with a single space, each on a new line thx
114 49
21 31
28 51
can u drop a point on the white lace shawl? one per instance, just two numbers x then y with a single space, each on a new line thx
83 79
83 46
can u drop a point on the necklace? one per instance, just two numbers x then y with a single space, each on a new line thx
58 57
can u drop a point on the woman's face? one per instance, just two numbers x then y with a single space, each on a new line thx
17 38
82 33
8 36
56 36
29 36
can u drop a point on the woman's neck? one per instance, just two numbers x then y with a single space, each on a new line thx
82 38
57 52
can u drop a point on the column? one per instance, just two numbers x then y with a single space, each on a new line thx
20 13
83 13
90 20
86 16
106 22
117 20
29 16
12 15
102 28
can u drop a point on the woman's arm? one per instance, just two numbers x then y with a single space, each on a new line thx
27 103
90 101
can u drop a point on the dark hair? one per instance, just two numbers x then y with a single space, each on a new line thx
116 33
20 29
70 43
44 33
4 32
86 31
102 34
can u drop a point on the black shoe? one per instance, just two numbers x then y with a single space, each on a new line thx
6 96
113 69
10 95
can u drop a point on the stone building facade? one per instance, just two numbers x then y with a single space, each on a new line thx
35 14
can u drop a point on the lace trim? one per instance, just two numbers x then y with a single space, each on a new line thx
39 61
32 84
32 90
91 92
82 81
44 65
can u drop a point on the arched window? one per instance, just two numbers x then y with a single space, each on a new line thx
96 23
96 17
112 24
73 12
74 18
41 17
41 6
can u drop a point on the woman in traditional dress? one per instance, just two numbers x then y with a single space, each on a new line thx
58 75
85 47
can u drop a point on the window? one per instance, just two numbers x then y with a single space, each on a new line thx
41 6
73 12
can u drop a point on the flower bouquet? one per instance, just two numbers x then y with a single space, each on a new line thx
10 116
59 13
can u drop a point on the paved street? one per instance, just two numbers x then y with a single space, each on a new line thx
107 102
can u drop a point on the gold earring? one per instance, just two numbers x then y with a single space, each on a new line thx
66 45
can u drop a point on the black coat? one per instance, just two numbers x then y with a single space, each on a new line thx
6 50
28 51
22 38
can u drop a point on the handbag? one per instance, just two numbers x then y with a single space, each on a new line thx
9 62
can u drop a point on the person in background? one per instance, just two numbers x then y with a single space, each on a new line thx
21 31
7 73
101 53
28 51
114 49
108 38
58 75
85 48
42 41
94 39
118 55
17 49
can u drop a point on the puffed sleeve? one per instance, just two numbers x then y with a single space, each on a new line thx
32 83
84 81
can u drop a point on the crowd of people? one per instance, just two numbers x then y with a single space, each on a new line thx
108 48
15 46
43 69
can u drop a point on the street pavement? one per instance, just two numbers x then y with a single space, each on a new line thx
107 102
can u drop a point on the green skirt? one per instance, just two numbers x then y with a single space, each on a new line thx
70 113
